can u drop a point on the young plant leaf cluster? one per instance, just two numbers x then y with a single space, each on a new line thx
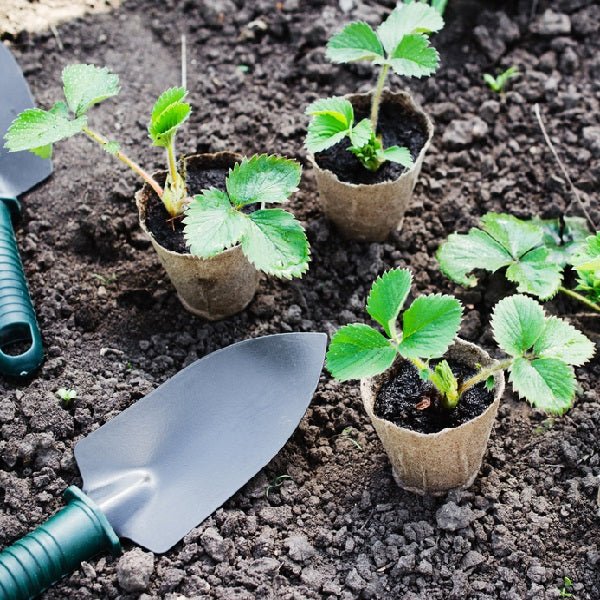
168 115
542 350
534 254
429 325
586 263
271 238
400 43
84 86
333 120
498 83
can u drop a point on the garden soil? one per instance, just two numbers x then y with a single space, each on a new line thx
336 526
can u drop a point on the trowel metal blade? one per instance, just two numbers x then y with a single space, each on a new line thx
19 171
165 464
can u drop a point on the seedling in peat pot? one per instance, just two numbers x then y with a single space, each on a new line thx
271 238
542 350
84 86
534 253
401 43
439 5
498 83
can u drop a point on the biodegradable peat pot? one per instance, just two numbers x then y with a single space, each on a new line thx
371 211
212 288
434 463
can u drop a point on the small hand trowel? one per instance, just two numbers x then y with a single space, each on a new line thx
165 464
19 172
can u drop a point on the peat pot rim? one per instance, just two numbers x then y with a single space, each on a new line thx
143 194
370 386
409 102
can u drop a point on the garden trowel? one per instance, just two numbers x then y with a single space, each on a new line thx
19 172
165 464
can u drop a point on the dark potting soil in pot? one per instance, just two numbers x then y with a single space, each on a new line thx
398 127
398 398
169 233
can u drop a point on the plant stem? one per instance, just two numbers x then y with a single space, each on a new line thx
483 374
100 139
172 163
579 297
377 97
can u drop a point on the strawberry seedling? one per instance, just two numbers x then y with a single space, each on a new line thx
84 86
401 43
271 238
534 254
541 350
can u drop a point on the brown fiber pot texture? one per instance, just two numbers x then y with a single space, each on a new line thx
212 288
434 463
371 212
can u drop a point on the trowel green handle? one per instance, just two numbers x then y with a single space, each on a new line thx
76 533
17 316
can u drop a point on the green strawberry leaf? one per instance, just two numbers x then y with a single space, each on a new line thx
361 133
165 125
86 85
517 322
275 243
587 257
387 296
561 241
535 274
515 235
338 107
331 122
358 351
429 326
36 129
263 178
547 383
407 19
414 57
356 42
400 155
561 341
463 253
43 151
174 95
211 224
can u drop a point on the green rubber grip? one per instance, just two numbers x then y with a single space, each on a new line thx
76 533
17 315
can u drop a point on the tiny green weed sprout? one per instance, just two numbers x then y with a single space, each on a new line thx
66 395
439 5
275 483
541 350
401 43
349 434
565 591
534 254
271 238
84 86
498 83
